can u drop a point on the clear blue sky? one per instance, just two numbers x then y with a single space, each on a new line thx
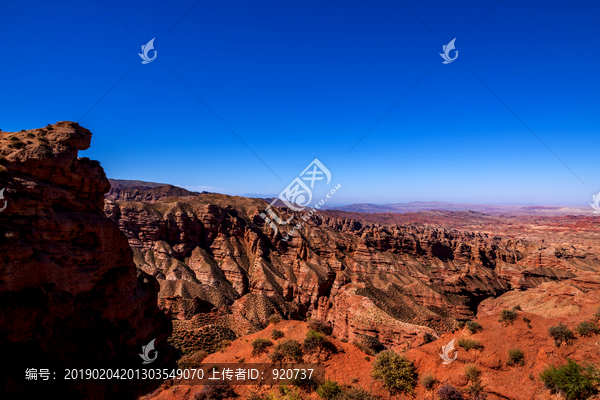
303 80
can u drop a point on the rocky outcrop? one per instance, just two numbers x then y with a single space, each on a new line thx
123 190
70 292
404 280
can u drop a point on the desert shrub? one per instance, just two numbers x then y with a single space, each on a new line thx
460 324
428 381
515 357
194 358
277 334
597 314
214 392
517 307
320 326
526 320
507 317
396 371
571 380
344 340
587 328
314 341
274 319
449 392
471 372
365 349
469 344
368 358
329 390
223 345
474 327
285 393
561 334
476 390
260 345
287 349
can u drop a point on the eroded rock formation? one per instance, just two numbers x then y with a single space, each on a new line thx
70 294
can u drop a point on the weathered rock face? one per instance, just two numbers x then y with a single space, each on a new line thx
395 282
70 293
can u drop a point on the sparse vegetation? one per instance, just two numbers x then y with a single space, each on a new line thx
194 358
460 324
572 380
320 326
515 357
471 372
561 334
469 344
428 381
597 314
277 334
365 349
288 349
285 393
517 307
329 390
314 341
587 329
260 345
396 371
274 319
474 327
223 345
449 392
507 317
527 321
214 392
475 390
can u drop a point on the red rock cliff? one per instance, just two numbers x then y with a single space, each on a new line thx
70 292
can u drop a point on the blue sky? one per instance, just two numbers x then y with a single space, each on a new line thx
303 80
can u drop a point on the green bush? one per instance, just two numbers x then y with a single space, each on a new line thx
329 390
396 371
277 334
471 372
314 341
260 346
290 349
571 380
469 344
507 317
474 327
515 356
428 381
587 328
561 334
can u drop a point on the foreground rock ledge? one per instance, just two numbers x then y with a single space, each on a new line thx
70 294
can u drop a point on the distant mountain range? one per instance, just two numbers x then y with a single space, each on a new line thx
416 206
